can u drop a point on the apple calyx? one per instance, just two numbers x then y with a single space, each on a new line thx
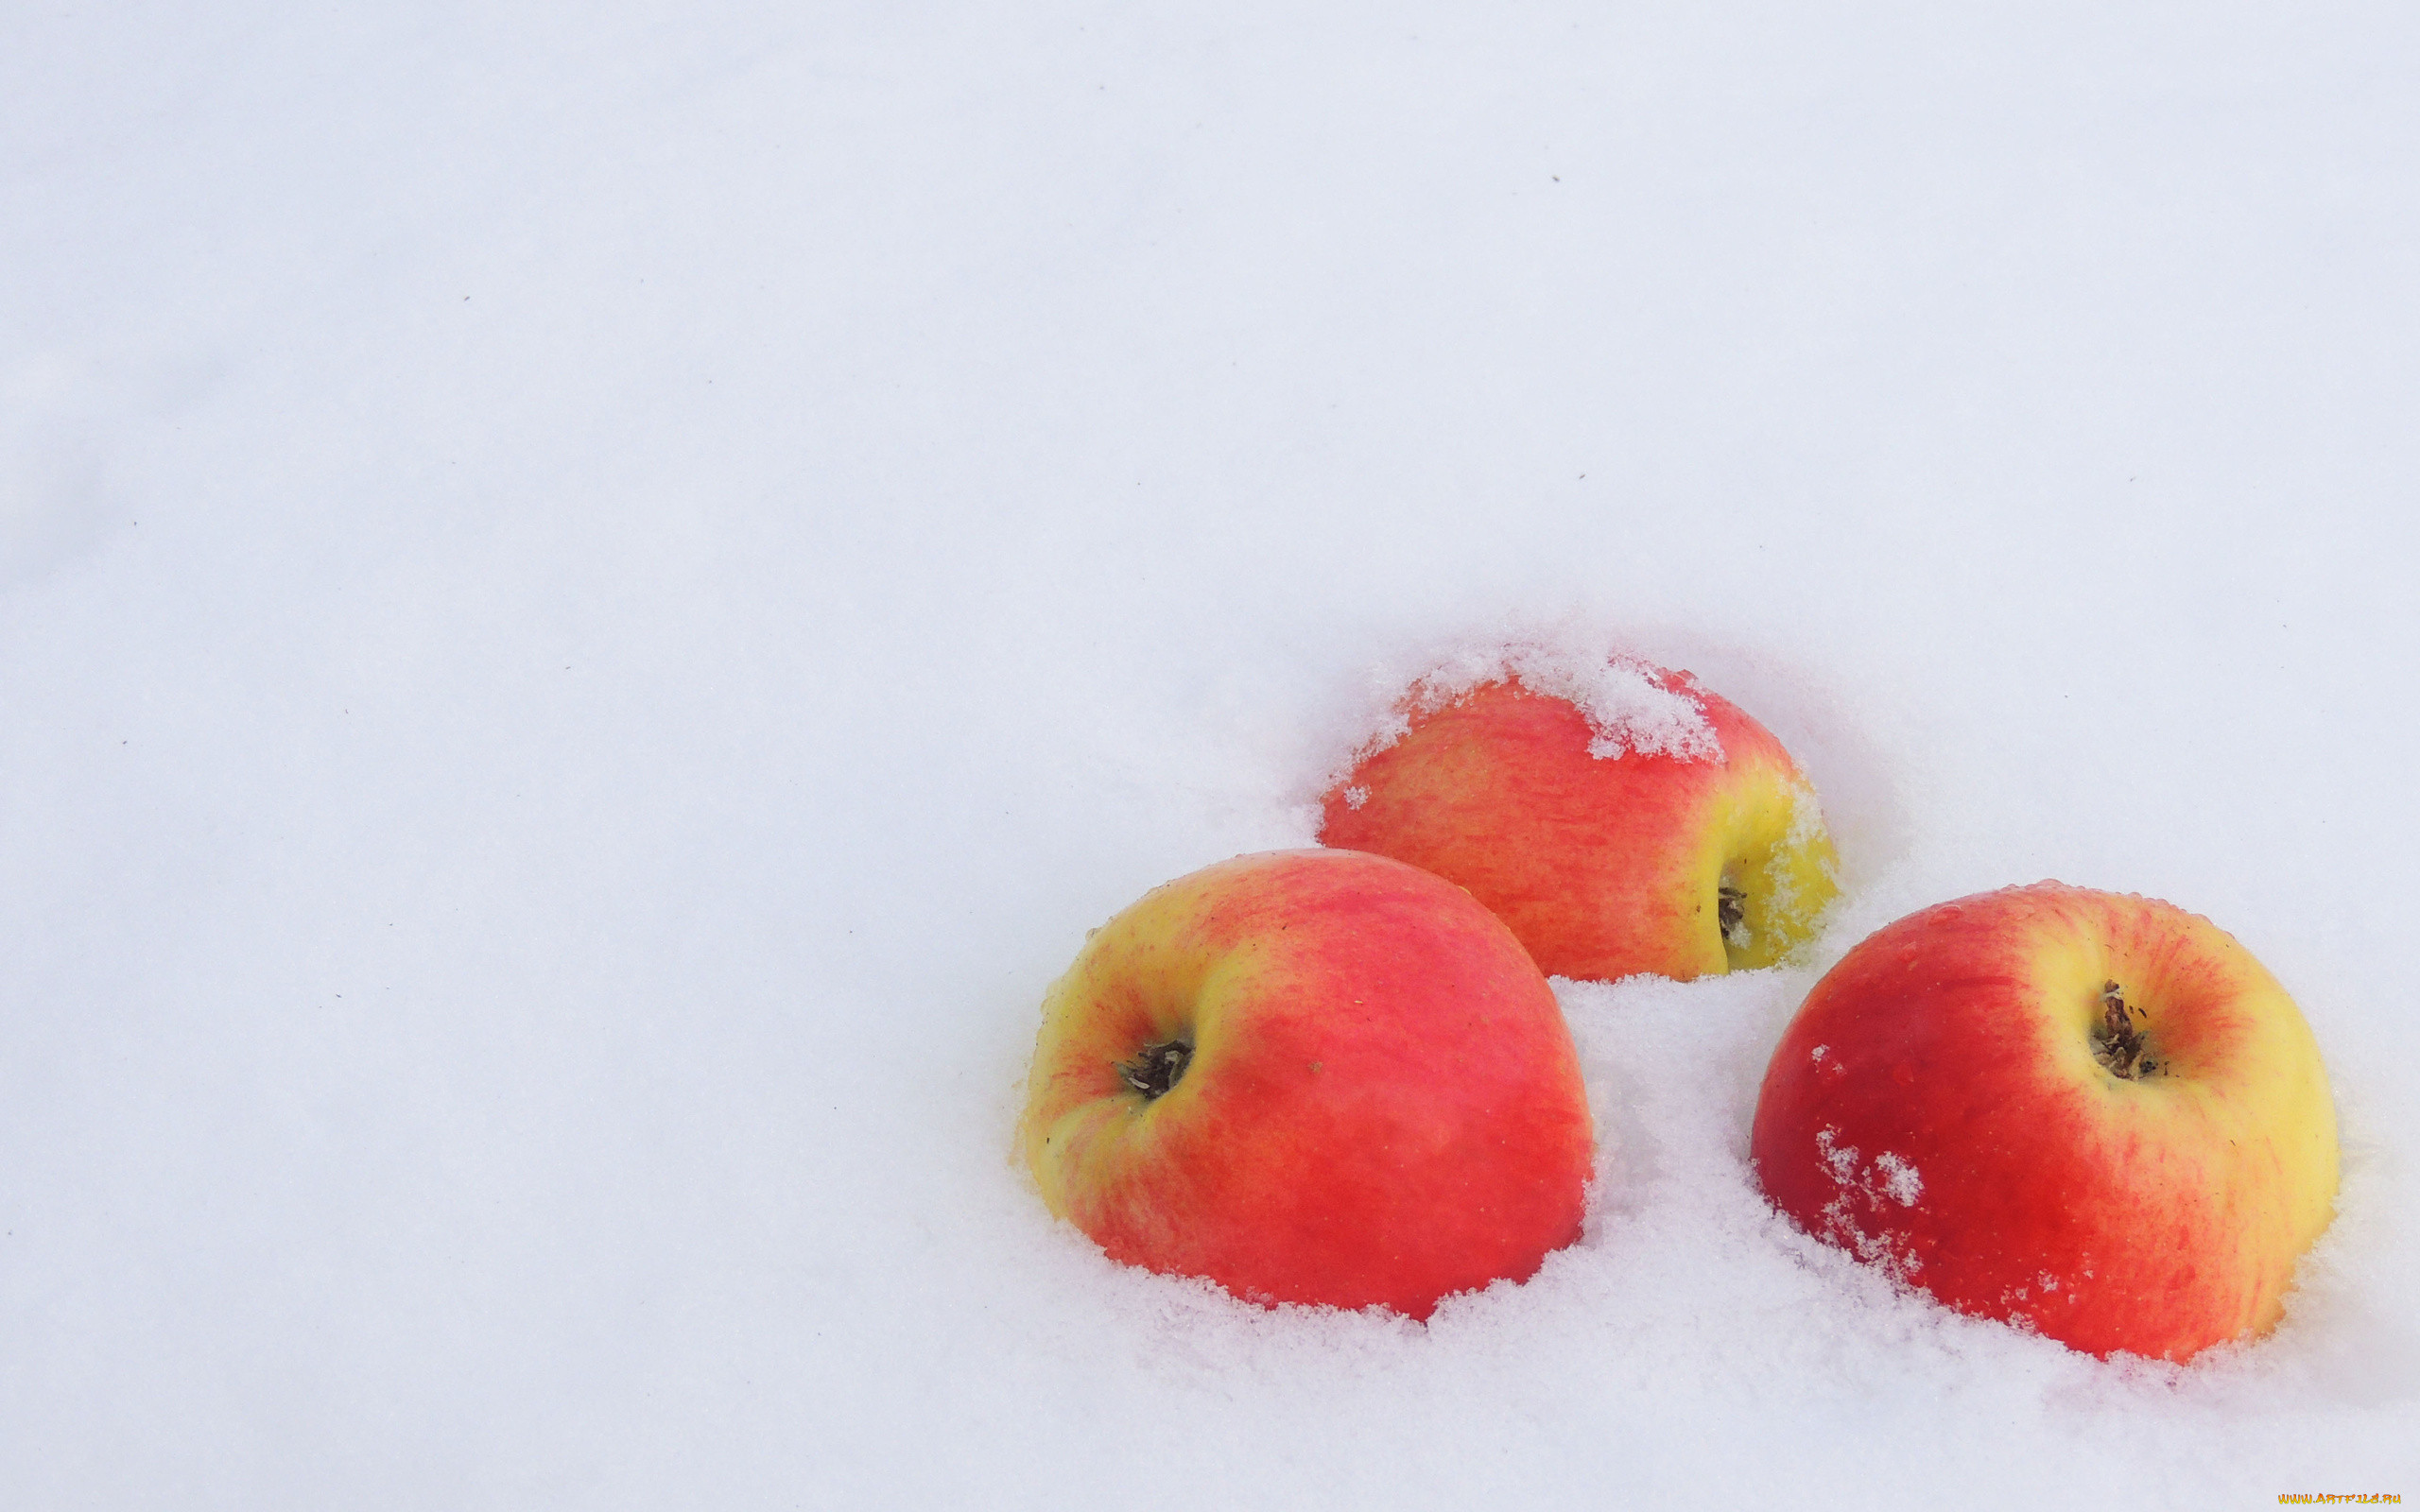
1731 913
2119 1045
1157 1069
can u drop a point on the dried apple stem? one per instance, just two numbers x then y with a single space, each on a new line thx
1157 1069
1731 912
2119 1045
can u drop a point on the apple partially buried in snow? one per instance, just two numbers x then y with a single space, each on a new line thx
2092 1115
1311 1076
1618 816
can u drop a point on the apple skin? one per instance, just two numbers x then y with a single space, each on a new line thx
1382 1107
1604 866
1938 1107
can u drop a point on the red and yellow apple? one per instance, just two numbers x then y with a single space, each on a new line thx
1618 816
2092 1115
1312 1076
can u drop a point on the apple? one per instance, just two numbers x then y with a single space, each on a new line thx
1618 816
2092 1115
1312 1076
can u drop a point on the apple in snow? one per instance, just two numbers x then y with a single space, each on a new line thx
1312 1076
2092 1115
1618 816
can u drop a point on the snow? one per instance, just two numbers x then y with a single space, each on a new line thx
593 600
1625 699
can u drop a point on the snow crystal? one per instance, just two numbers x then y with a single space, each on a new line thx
1841 1160
1628 707
1899 1180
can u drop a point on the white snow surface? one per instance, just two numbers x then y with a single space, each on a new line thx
594 598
